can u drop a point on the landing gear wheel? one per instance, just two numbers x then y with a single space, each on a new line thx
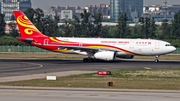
91 60
85 60
88 60
156 61
96 60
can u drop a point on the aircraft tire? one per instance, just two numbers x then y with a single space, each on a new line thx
85 60
156 61
91 60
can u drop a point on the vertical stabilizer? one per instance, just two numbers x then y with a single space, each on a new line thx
26 28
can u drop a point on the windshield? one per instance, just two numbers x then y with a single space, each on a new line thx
168 45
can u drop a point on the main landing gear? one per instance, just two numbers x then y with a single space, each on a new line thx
157 60
88 60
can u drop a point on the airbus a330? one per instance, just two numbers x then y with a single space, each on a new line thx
107 49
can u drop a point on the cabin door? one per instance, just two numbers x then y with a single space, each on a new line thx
132 44
157 45
46 41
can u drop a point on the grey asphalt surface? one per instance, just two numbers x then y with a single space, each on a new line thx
18 67
8 93
42 76
22 69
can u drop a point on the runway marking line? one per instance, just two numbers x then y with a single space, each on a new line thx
147 68
92 89
16 73
40 66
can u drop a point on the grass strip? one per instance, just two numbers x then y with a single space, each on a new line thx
168 79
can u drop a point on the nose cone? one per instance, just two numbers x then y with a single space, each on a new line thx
173 49
170 49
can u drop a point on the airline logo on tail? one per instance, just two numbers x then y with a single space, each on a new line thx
27 29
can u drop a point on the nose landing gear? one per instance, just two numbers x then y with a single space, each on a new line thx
157 60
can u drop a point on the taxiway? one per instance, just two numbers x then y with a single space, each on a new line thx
18 67
84 94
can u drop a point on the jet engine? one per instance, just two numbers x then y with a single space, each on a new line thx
105 55
126 56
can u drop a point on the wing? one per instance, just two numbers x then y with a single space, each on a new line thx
84 48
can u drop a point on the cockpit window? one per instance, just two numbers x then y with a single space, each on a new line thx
168 45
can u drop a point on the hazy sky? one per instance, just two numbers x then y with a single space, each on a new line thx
44 4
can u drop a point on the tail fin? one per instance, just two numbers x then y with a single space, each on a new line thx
26 28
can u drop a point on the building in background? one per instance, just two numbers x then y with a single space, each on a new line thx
8 6
50 14
8 29
64 12
0 6
70 11
132 8
102 8
158 13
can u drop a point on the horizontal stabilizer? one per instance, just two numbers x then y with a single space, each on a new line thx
28 40
25 39
9 37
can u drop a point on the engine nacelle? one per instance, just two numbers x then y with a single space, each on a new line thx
126 56
105 55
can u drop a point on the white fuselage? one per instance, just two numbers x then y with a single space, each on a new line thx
144 47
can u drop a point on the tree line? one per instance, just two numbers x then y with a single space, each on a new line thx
145 28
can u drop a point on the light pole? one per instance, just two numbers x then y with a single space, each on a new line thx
165 2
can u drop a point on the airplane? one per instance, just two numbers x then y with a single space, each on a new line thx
106 49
